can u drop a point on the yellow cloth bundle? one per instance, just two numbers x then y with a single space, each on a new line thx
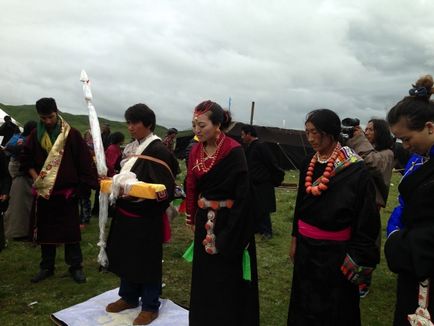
139 189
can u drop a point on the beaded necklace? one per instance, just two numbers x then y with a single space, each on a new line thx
322 181
322 161
205 158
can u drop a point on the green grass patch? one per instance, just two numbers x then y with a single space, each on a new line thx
20 261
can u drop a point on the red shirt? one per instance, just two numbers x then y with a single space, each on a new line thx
113 156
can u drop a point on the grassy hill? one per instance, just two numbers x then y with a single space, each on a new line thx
24 113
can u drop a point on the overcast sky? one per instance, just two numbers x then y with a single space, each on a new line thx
355 57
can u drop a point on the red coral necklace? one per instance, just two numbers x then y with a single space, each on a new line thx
204 157
322 181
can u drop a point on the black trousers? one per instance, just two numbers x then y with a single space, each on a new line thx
264 223
73 256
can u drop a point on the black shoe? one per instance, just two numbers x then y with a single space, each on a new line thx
78 275
42 275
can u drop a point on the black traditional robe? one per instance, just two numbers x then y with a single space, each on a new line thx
57 219
134 245
263 169
321 295
219 295
410 251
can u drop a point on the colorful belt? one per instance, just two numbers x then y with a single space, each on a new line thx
214 204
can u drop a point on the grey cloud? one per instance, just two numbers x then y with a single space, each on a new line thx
288 57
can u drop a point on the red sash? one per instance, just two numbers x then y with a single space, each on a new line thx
313 232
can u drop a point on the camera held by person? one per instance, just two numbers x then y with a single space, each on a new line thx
348 126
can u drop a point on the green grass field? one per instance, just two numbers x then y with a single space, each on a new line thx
19 262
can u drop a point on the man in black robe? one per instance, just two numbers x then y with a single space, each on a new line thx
264 174
134 245
56 157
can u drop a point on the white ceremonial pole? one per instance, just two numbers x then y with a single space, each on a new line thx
100 166
94 127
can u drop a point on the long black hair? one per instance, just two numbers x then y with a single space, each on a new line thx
383 139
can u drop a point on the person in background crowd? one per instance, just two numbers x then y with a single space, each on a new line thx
218 207
264 174
193 141
5 184
134 244
113 157
375 147
58 160
170 139
84 202
113 153
105 135
336 224
190 145
17 216
409 248
88 139
8 129
402 156
187 151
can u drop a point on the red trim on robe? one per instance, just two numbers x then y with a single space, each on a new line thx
194 172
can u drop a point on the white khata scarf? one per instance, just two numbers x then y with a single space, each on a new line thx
129 161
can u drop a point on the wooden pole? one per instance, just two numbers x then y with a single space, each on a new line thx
252 113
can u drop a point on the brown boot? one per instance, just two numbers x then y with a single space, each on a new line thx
145 317
119 306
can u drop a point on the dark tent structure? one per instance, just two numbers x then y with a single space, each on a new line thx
289 146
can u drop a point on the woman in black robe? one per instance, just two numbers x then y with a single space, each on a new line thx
217 206
409 248
335 226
